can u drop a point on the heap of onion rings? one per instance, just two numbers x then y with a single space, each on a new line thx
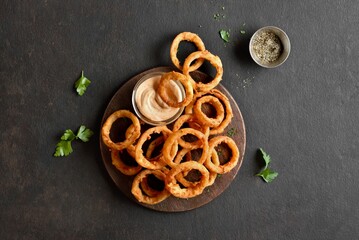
190 146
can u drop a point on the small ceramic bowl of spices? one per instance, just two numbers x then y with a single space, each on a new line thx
269 47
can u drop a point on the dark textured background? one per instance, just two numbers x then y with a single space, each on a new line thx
304 114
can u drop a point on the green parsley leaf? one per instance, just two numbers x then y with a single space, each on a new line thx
68 135
243 32
81 84
84 133
63 148
224 35
266 157
267 174
231 132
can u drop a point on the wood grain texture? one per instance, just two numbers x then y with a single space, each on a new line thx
122 100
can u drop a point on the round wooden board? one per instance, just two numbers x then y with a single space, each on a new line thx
122 100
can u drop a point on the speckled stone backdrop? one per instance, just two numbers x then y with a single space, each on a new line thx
304 114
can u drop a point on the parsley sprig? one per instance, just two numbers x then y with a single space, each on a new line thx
64 148
81 84
267 174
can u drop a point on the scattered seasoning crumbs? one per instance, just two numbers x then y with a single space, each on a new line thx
231 132
245 82
267 46
242 30
219 175
218 16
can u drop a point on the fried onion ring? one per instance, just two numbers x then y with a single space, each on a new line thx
173 140
184 152
147 189
163 93
174 188
193 122
130 149
189 107
123 167
228 112
181 177
139 194
202 117
157 163
153 145
227 109
212 174
190 37
214 60
232 162
105 131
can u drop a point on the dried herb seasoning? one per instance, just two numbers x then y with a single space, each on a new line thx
267 46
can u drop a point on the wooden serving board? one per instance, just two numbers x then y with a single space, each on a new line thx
123 100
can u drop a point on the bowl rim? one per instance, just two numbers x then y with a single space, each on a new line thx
146 119
285 40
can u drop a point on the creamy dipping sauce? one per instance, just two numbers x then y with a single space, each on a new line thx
150 104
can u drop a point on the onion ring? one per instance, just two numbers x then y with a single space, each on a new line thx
153 145
123 167
105 131
227 109
138 193
228 166
181 176
130 149
191 37
214 60
213 175
228 112
147 189
193 122
141 159
196 96
162 90
174 188
202 117
181 154
173 139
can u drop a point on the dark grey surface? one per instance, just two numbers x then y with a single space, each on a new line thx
304 114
